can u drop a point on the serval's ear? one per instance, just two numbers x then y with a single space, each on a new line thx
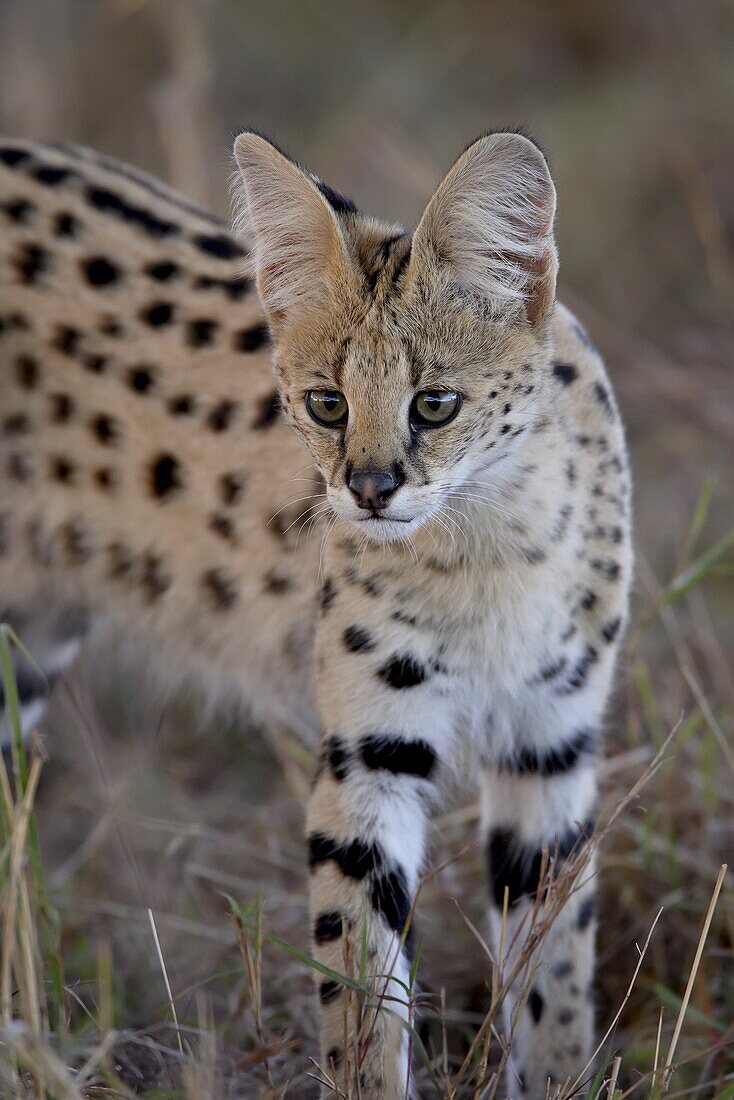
300 254
489 228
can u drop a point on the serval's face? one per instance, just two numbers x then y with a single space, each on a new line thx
409 366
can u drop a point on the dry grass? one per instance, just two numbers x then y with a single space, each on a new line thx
151 816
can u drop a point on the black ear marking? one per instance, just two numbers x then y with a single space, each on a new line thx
339 203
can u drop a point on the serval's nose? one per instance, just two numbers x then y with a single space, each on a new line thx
372 489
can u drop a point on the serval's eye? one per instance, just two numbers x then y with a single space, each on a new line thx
434 408
327 407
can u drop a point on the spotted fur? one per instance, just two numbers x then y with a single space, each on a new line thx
153 471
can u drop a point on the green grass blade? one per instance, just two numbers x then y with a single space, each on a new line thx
698 569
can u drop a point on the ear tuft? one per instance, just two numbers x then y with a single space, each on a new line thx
299 248
489 226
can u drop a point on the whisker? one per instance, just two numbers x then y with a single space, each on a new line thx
296 500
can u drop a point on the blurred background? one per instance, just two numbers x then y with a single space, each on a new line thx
148 802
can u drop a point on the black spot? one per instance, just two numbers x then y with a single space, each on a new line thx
587 911
31 262
250 339
560 527
223 526
219 245
200 332
357 640
504 429
106 429
235 288
392 754
328 927
108 202
536 1004
355 859
337 758
52 177
603 397
66 225
329 991
66 339
165 475
579 674
95 364
110 326
121 561
589 600
550 761
158 314
183 405
390 898
100 272
17 424
62 469
155 579
606 567
327 595
141 379
105 478
27 373
611 629
221 416
565 373
276 584
76 541
334 1057
13 157
19 211
163 270
402 671
267 411
222 587
232 488
549 672
566 1016
517 866
20 467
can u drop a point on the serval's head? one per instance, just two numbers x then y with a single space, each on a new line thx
410 364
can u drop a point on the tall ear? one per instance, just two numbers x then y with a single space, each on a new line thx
489 227
299 254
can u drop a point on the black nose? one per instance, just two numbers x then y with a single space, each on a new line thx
373 488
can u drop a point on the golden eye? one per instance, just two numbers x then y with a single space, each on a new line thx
434 408
327 407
